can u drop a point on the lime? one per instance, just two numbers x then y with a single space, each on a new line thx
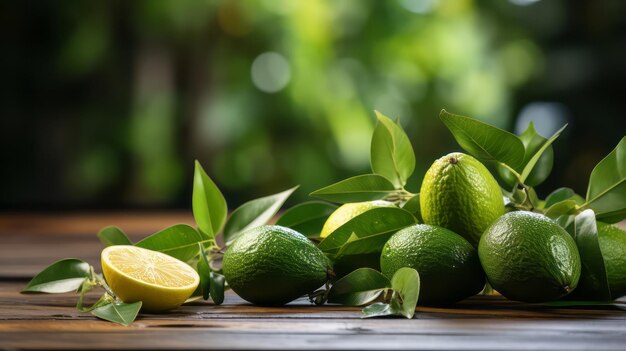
528 257
348 211
160 281
448 264
273 265
460 194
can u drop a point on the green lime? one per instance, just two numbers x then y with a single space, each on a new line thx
460 194
348 211
448 264
528 257
273 265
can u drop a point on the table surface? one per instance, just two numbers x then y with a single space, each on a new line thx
30 242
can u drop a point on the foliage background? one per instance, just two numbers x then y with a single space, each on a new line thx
105 104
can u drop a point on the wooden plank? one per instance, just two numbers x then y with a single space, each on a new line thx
365 335
30 242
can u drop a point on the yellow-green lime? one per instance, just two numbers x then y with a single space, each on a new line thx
339 217
448 264
348 211
273 265
460 194
159 281
529 257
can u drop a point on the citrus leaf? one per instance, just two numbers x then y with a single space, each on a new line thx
307 218
586 236
358 288
391 153
113 235
484 141
558 195
208 204
62 276
561 208
528 168
381 222
378 309
179 241
607 183
121 313
217 288
413 206
406 282
254 213
364 187
612 217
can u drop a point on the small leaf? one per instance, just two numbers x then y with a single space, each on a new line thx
62 276
365 187
204 271
607 183
358 288
564 207
254 213
559 195
208 204
377 223
406 282
121 313
391 153
484 141
113 235
179 241
217 288
413 206
378 309
586 236
537 155
307 218
612 217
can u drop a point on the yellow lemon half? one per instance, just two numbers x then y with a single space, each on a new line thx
160 281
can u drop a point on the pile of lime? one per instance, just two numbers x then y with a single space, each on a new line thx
373 242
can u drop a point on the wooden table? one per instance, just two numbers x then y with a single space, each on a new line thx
28 243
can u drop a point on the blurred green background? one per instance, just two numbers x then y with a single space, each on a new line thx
105 104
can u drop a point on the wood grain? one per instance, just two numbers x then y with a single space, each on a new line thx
40 321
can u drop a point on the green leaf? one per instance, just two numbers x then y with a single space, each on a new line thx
413 206
612 217
62 276
217 288
607 183
559 195
204 271
307 218
120 313
366 187
113 235
391 153
377 224
254 213
378 309
537 155
358 288
564 207
179 241
406 282
208 204
586 236
484 141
